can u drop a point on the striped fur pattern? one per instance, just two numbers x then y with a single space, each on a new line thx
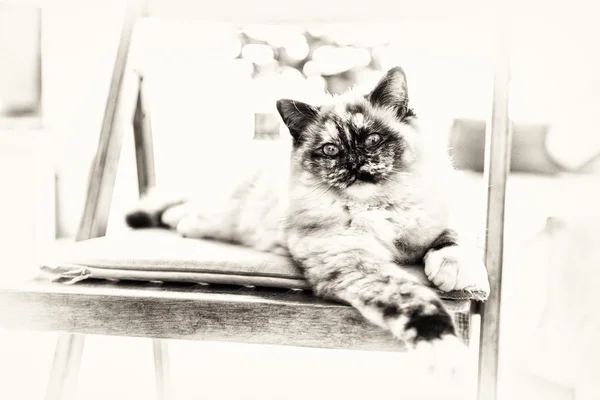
365 192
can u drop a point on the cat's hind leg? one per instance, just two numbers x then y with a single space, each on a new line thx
151 209
209 218
195 225
172 216
451 265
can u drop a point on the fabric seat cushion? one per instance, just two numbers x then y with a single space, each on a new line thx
162 255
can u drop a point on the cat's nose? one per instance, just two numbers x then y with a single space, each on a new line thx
353 163
365 177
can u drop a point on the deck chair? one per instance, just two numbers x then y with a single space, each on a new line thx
127 305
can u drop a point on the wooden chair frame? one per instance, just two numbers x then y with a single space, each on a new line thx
31 307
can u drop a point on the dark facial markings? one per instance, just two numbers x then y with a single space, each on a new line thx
351 146
356 108
354 154
362 139
367 151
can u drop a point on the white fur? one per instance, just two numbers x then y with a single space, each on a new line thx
446 359
457 268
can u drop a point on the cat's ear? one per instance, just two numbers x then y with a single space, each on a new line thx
296 116
391 92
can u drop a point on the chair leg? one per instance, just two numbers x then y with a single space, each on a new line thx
65 367
161 368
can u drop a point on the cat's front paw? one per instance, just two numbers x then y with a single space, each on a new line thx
457 268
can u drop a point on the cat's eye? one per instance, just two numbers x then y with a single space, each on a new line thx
330 149
373 139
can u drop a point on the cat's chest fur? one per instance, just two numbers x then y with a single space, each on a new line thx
406 231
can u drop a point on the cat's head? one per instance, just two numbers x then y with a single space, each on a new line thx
355 142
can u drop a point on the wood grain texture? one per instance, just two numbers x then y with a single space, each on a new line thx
190 312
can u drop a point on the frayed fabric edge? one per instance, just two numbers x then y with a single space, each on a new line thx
64 273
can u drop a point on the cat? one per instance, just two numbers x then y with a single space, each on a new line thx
362 190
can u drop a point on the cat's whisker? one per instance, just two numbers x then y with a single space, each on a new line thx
314 189
325 192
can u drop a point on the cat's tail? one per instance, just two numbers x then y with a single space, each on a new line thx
150 211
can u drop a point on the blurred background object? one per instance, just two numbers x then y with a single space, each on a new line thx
533 148
20 61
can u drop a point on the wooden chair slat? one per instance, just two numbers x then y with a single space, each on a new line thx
497 166
205 313
104 167
144 150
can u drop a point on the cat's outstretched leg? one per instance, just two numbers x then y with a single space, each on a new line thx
157 209
385 295
394 300
452 265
